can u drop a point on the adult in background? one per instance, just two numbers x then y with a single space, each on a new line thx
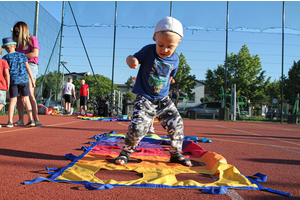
29 45
84 96
68 90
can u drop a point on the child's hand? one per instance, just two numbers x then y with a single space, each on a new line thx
7 87
132 62
172 81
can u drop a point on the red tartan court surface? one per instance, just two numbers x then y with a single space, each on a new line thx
269 148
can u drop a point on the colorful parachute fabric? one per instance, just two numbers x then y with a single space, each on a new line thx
106 119
155 168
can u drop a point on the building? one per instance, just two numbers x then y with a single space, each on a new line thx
199 92
75 76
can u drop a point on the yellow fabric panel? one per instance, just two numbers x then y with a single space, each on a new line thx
158 172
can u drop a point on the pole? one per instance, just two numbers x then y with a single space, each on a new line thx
282 60
63 82
113 62
36 23
61 34
37 97
226 49
171 8
87 55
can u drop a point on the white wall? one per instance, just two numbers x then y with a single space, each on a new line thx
199 93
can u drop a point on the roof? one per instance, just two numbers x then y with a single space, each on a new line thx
80 73
200 81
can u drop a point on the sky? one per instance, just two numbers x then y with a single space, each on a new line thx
202 49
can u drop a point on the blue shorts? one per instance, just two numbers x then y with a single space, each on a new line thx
3 97
15 90
34 69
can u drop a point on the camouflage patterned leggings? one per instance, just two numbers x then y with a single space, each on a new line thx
144 113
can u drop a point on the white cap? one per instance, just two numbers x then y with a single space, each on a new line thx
169 24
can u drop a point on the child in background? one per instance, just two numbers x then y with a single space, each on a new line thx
68 90
19 81
158 64
84 96
4 80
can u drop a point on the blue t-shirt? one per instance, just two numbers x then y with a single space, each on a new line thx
18 71
153 79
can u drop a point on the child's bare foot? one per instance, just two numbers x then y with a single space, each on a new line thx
181 160
121 160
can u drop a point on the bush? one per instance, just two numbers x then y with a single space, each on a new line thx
129 95
204 99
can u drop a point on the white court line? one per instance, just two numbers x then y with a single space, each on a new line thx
258 135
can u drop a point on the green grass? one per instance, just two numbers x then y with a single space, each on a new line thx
260 119
245 119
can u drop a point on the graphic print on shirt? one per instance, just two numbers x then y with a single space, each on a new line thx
163 71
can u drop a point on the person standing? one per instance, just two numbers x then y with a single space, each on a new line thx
4 80
20 74
84 96
157 64
29 45
68 90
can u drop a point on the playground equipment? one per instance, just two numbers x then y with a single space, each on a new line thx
296 112
242 104
237 103
103 105
117 103
187 100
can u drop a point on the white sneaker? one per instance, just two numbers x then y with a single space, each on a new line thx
151 130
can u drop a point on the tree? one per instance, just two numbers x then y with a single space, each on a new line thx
273 90
204 99
49 84
243 70
104 84
182 78
292 83
129 95
129 81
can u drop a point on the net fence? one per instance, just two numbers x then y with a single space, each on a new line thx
258 24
